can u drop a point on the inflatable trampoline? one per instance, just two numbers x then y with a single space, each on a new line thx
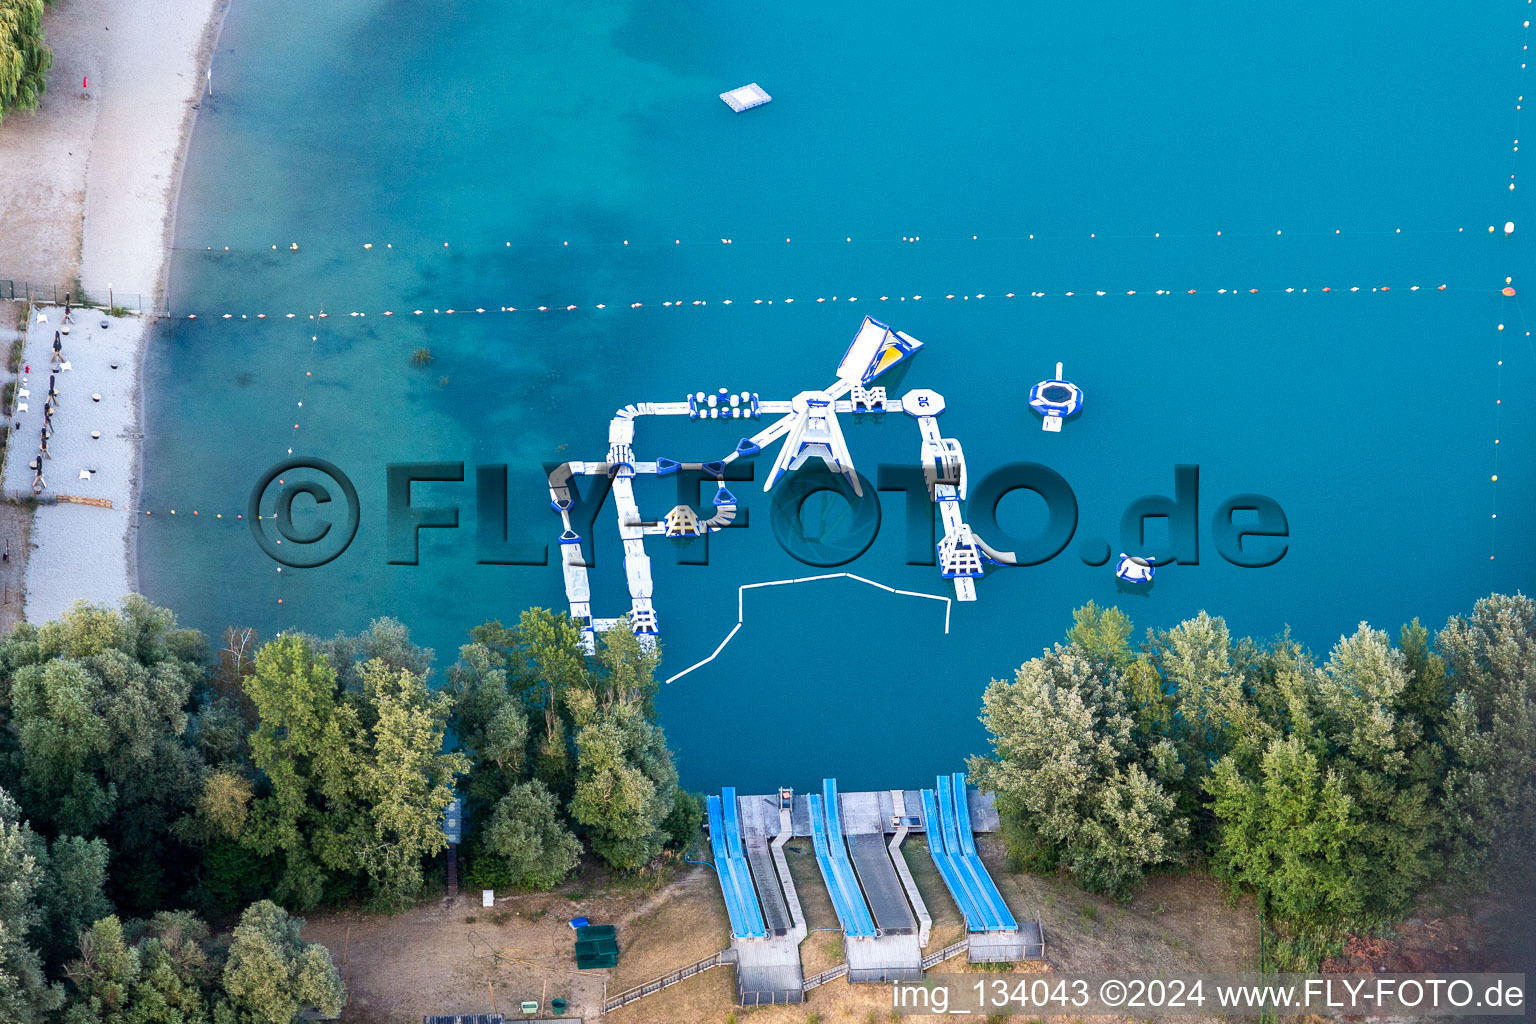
1055 400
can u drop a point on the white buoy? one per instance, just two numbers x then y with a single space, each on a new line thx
1509 227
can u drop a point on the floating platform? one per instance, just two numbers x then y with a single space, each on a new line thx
746 97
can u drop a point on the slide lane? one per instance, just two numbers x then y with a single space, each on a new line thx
723 869
941 859
837 884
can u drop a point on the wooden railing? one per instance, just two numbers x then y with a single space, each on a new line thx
665 981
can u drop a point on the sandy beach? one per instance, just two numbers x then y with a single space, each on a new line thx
92 180
82 531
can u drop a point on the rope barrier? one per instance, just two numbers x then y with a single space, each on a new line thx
1510 294
919 297
389 248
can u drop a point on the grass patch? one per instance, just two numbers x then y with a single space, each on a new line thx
1089 912
422 356
18 349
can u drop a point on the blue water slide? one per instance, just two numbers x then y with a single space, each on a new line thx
723 870
834 809
963 816
947 817
946 865
986 888
844 900
838 849
741 903
732 823
965 866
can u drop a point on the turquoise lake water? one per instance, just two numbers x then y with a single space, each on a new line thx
1329 147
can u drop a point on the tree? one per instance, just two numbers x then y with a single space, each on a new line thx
357 781
545 663
525 843
24 59
98 703
1374 741
385 640
303 749
626 785
1489 795
1211 709
76 894
404 781
25 995
491 723
1074 787
105 975
1102 634
272 976
1287 834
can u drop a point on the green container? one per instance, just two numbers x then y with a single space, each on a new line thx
557 1005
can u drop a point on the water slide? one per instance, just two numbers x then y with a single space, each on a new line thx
957 887
967 865
968 842
735 879
847 900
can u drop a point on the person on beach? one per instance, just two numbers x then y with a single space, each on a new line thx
58 348
67 318
53 392
42 447
38 483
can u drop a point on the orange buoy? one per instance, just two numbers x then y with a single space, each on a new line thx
1509 292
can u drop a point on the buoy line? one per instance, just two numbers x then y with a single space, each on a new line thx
676 242
741 607
919 297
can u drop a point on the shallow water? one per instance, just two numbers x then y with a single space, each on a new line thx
1123 139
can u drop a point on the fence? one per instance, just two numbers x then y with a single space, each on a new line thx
953 949
715 959
665 981
817 980
52 294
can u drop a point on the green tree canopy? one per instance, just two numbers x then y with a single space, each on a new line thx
626 785
25 995
1074 786
24 59
272 976
1490 734
525 843
98 704
356 783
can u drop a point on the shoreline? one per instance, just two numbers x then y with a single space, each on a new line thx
97 179
212 30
